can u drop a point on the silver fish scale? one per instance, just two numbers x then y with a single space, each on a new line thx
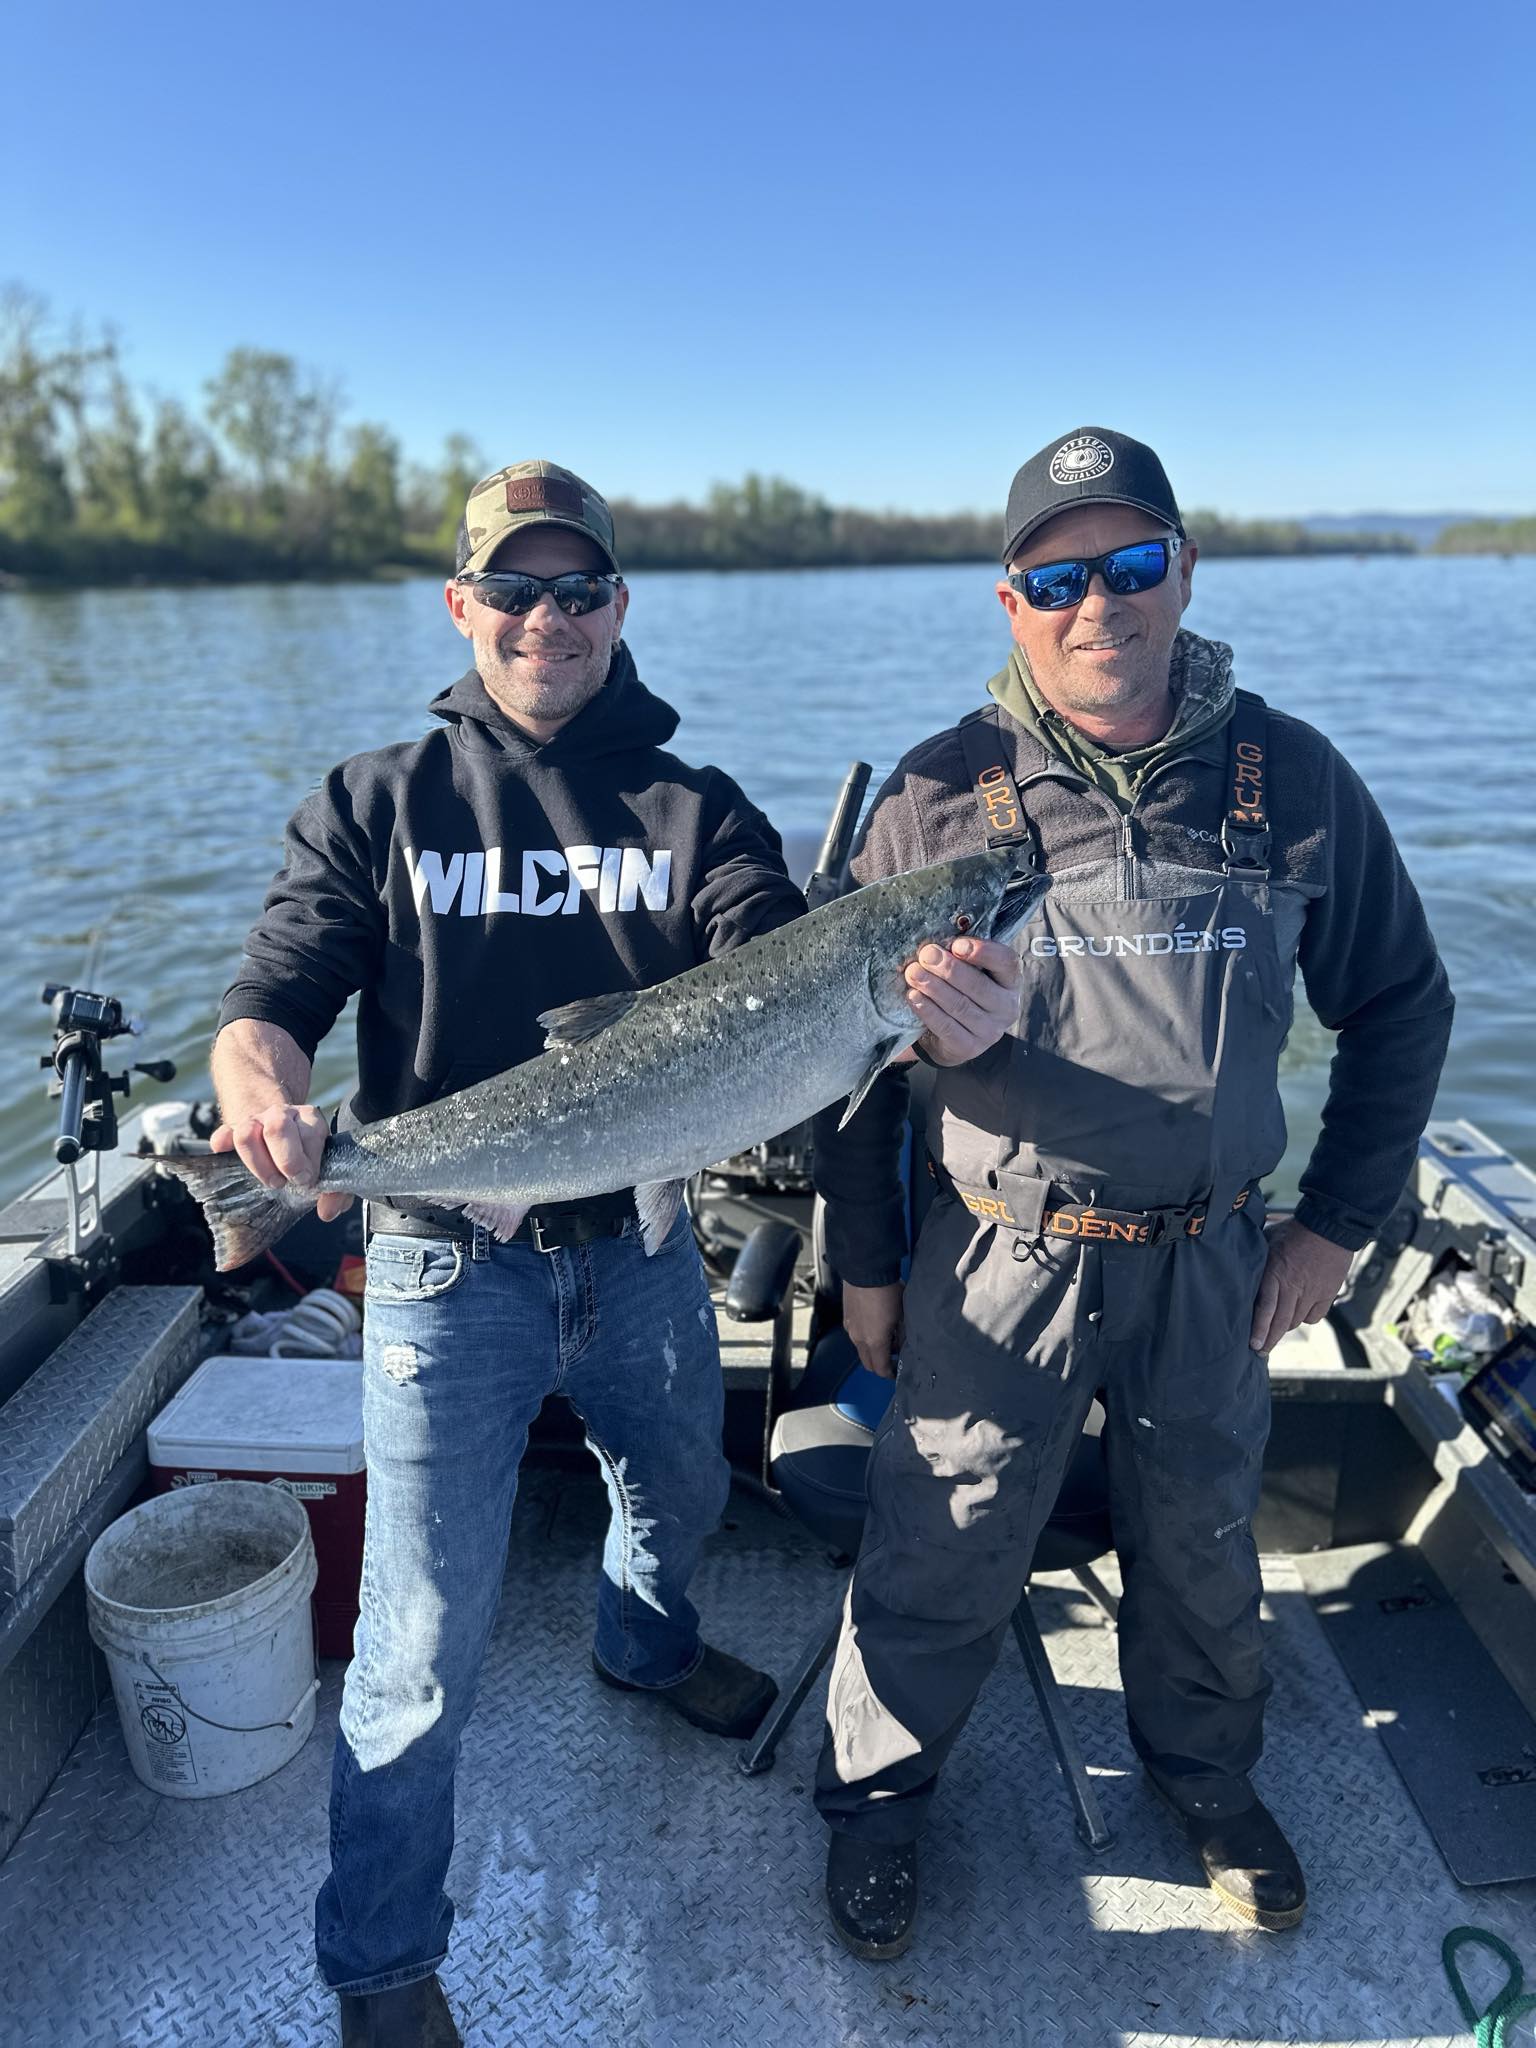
703 1066
619 1884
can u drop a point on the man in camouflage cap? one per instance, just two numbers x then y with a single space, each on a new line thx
532 494
536 516
536 848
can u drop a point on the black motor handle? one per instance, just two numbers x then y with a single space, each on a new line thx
830 875
74 1072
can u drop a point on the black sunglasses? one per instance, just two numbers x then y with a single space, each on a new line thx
1126 572
575 593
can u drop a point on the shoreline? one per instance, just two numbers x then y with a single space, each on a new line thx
165 576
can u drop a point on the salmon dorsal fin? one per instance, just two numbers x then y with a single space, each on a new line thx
575 1023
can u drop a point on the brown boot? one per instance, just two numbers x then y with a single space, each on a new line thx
721 1695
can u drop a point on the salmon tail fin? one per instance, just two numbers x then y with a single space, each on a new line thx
244 1216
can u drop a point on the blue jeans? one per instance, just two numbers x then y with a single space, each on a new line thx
459 1355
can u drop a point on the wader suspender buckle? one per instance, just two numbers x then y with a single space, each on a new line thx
1003 820
1245 824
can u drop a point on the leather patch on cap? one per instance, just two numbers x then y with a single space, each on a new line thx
545 494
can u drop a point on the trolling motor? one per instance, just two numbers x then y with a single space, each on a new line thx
82 1024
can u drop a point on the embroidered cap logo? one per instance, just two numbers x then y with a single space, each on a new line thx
1081 460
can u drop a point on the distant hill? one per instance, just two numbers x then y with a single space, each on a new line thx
1424 528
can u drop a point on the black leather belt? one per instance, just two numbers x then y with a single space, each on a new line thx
547 1230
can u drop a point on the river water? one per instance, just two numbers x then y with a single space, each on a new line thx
156 740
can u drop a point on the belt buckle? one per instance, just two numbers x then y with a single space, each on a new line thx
1187 1224
544 1239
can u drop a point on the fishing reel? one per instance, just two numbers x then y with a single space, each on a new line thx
82 1024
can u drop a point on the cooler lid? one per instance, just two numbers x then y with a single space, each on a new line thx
265 1415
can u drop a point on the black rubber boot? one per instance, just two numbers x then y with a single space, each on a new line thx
1250 1866
872 1895
721 1695
412 2016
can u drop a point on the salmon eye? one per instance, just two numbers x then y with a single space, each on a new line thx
962 920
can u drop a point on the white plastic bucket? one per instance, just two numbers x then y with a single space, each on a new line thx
200 1599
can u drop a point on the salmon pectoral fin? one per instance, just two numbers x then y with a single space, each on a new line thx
884 1052
575 1023
502 1220
657 1203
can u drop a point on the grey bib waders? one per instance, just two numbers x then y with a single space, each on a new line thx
1099 1231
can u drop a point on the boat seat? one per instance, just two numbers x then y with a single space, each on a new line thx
820 1448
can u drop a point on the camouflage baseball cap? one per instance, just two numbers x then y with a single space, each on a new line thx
533 494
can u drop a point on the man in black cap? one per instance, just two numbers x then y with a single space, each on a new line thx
1099 1227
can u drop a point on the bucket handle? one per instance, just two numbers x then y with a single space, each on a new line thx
228 1727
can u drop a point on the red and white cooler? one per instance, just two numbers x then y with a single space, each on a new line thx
298 1423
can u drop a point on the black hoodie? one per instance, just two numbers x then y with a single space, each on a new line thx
470 879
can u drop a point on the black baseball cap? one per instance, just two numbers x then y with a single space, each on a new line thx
1092 465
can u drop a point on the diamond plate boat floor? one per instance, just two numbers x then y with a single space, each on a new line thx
618 1881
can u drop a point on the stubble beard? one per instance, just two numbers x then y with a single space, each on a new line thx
1080 686
528 688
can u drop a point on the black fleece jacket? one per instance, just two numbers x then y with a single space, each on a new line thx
470 879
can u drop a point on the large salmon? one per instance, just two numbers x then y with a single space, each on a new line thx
643 1088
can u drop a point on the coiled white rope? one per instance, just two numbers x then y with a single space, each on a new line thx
324 1324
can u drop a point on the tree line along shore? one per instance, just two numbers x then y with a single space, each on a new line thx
102 484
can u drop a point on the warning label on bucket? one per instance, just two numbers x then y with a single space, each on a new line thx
167 1750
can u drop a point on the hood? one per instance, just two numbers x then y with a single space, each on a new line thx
1200 677
622 716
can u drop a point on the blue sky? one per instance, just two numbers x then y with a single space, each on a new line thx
885 251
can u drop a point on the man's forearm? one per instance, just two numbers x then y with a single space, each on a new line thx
262 1077
1381 1094
858 1175
256 1065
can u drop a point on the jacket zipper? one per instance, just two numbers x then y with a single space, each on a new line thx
1126 859
1128 845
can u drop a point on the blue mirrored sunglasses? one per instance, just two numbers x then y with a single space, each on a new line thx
1126 572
